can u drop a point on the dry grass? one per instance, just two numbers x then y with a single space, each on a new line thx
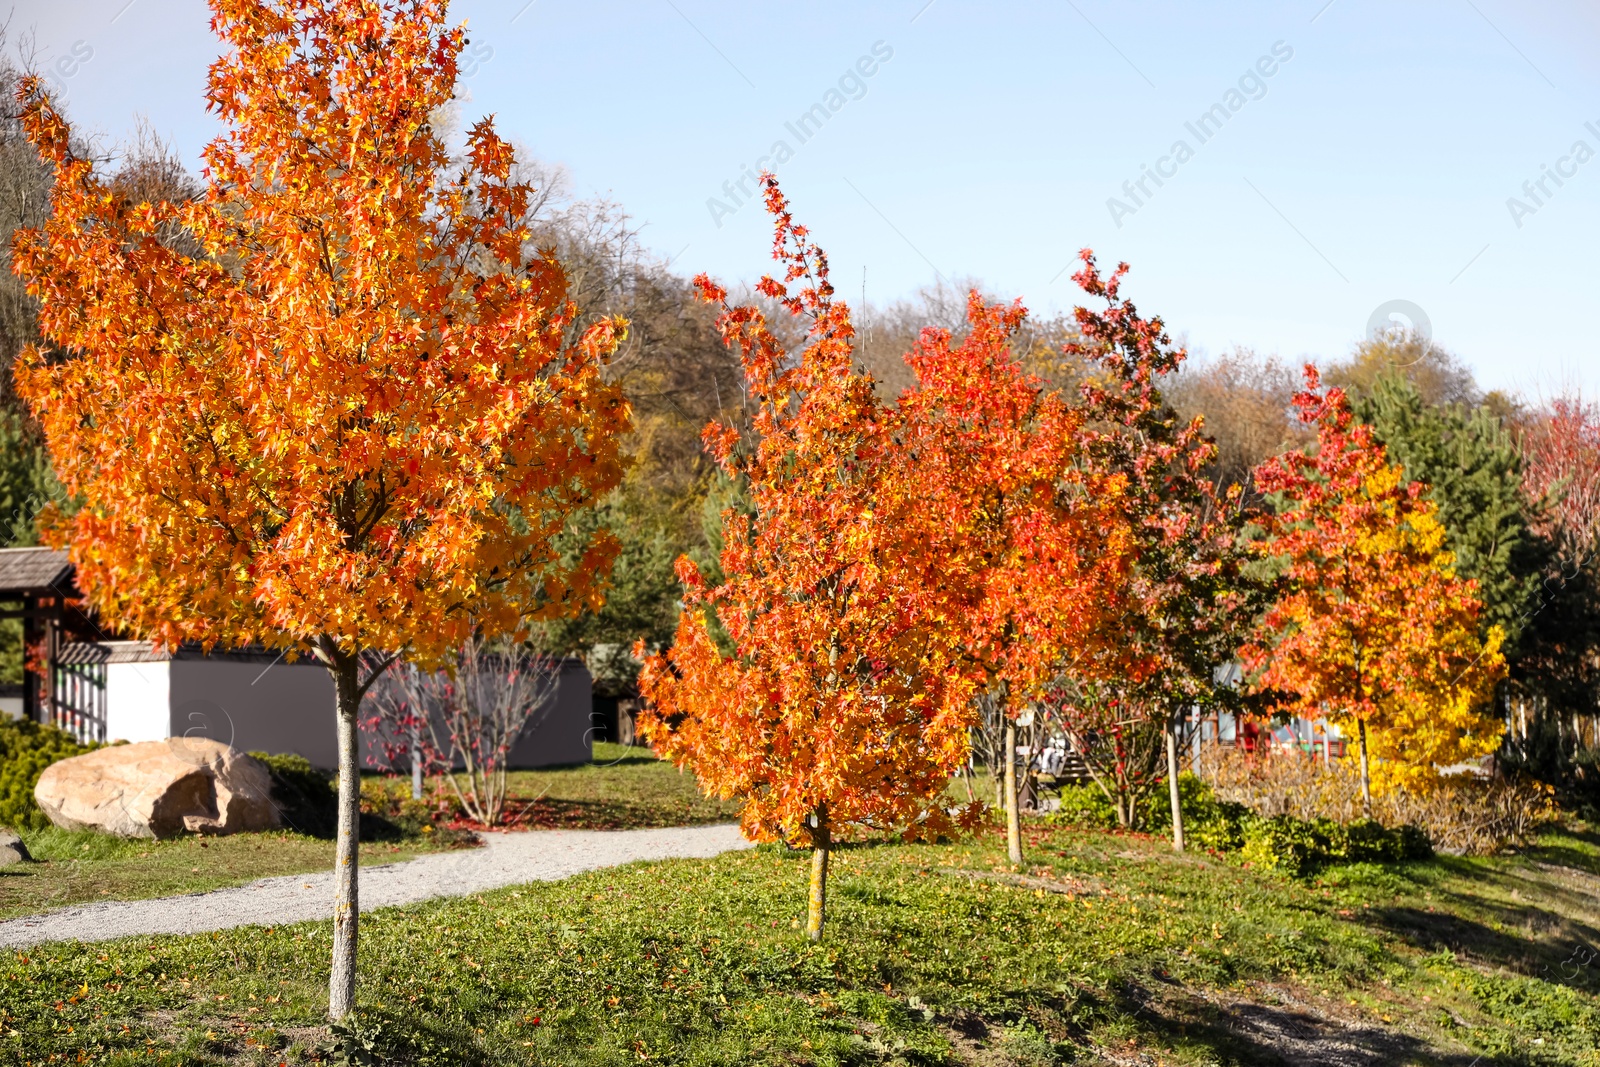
1464 814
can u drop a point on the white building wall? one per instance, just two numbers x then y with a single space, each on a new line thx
139 701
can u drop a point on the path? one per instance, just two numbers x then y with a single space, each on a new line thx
505 859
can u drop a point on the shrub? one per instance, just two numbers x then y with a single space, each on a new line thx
1086 806
304 795
26 749
307 800
1217 824
1284 843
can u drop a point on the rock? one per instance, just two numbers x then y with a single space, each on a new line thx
159 789
12 850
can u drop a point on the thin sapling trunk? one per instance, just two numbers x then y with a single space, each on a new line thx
346 904
1172 782
1366 772
1013 816
821 845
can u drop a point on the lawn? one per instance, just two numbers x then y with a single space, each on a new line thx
623 788
1109 949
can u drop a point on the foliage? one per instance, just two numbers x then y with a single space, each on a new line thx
1299 848
1375 631
1247 402
1184 601
1471 465
304 796
372 422
1556 679
1296 846
1031 534
468 715
1088 805
1029 529
1434 371
26 749
641 597
939 956
838 704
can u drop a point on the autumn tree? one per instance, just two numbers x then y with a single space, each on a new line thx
349 422
1031 532
1375 630
1186 597
815 682
1556 675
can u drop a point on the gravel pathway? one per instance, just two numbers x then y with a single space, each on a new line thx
505 859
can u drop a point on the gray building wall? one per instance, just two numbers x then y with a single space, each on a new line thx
258 703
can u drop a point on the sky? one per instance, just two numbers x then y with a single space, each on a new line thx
1318 166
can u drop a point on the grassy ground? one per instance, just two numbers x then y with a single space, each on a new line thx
1108 950
624 787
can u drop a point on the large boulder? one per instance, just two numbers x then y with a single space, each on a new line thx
159 789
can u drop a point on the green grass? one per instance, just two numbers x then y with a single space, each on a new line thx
1110 949
623 788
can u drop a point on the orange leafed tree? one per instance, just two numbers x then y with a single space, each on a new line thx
835 705
1030 531
349 423
1375 629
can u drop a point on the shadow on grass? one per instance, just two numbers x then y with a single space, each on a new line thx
546 813
1568 957
1250 1032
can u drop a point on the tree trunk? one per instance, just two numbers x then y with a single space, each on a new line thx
1013 817
416 766
1172 782
1366 776
346 905
821 845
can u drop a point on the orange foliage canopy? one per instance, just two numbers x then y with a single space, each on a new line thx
839 700
1375 628
1030 530
350 421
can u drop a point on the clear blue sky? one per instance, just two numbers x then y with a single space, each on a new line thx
1374 163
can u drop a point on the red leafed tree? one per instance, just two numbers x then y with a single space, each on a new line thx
1030 531
1374 629
1183 603
1561 466
836 703
1557 663
349 423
